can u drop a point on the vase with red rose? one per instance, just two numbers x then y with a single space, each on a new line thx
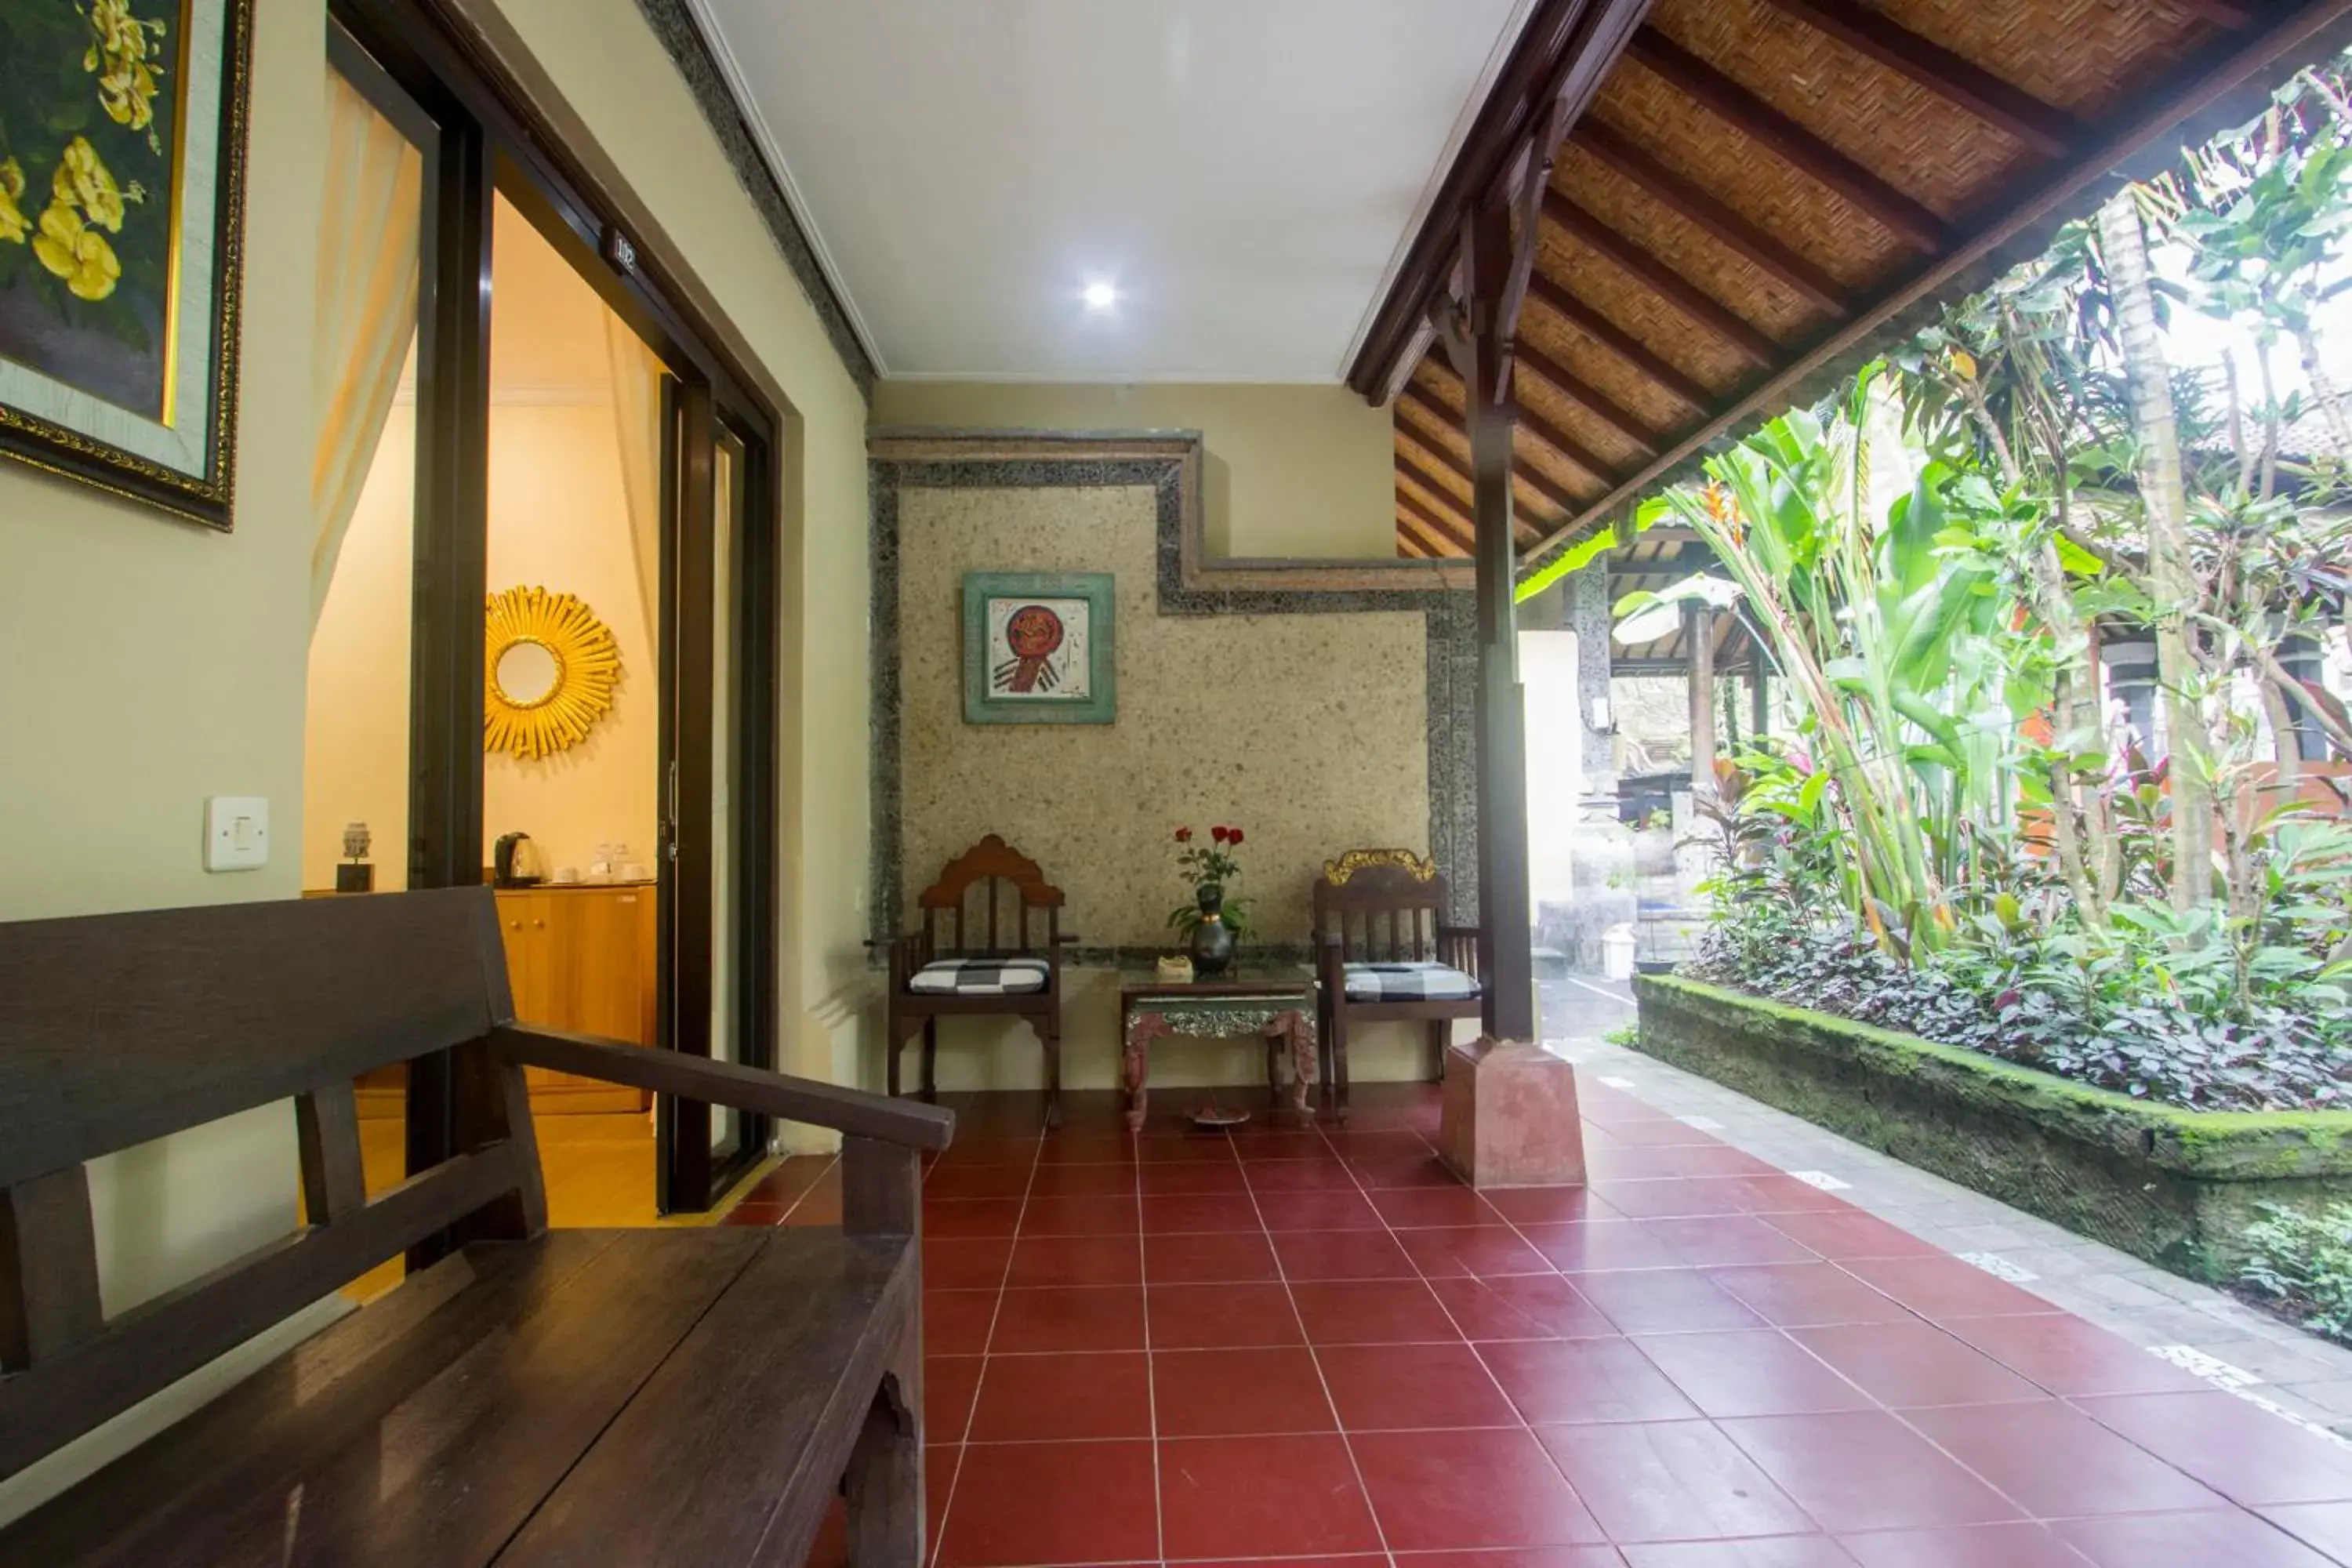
1212 923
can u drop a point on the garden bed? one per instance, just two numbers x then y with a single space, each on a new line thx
2177 1187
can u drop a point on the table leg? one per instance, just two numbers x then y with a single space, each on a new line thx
1141 1030
1299 1026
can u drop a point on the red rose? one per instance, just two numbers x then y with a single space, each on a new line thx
1220 833
1235 837
1183 835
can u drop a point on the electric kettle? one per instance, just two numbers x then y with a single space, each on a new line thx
515 861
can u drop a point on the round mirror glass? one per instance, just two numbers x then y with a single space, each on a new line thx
527 674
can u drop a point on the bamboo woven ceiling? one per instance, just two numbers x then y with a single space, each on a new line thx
1758 179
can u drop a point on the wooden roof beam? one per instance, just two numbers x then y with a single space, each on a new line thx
1429 457
2048 130
1618 341
1579 391
1726 227
1662 280
1437 530
1726 100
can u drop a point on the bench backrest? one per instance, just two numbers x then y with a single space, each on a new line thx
1383 905
1012 908
118 1029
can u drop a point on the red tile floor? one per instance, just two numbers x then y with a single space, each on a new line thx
1311 1343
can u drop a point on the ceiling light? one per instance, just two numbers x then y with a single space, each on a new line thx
1100 296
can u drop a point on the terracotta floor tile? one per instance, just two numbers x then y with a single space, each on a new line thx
1666 1301
1326 1175
1041 1398
1341 1255
2070 1357
1776 1194
1181 1212
1655 1128
948 1182
1472 1249
1945 1287
1328 1210
939 1468
1865 1471
1481 1311
1841 1233
975 1263
1076 1260
1418 1208
969 1150
1082 1181
752 1213
1752 1372
1051 1503
1633 1161
1775 1551
1067 1148
1192 1178
1168 1148
1715 1241
970 1217
1451 1490
1553 1304
1379 1388
1802 1295
2324 1526
1670 1481
1417 1170
1560 1382
1090 1318
1549 1206
1353 1142
2239 1449
1532 1557
1200 1317
1224 1394
955 1323
1107 1213
1371 1312
949 1385
1207 1260
1674 1197
1970 1546
2186 1540
2057 1461
1914 1362
1268 1497
1589 1247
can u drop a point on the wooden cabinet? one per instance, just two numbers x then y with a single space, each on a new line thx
582 958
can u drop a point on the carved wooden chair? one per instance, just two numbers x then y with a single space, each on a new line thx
999 954
1384 955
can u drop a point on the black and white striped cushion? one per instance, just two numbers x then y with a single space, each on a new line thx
1406 982
980 977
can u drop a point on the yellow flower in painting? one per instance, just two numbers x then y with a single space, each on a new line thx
127 85
13 221
76 253
84 181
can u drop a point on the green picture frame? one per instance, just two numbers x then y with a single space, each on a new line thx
1040 648
122 162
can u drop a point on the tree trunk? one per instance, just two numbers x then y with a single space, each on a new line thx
2164 499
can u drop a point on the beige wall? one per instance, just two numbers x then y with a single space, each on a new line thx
1309 732
151 664
1305 471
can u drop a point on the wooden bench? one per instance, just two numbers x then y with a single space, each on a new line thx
1384 955
663 1395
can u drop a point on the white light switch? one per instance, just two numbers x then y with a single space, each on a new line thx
236 832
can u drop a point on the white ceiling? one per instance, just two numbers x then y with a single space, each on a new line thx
1244 172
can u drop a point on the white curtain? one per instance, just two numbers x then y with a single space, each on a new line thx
636 419
368 258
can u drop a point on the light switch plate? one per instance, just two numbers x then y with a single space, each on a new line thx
236 832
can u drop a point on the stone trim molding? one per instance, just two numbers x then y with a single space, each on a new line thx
673 22
1169 463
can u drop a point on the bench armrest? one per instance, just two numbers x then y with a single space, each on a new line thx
1458 946
848 1111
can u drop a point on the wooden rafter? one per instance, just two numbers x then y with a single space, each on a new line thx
1451 418
1542 432
1442 535
1720 96
2048 130
1618 341
1425 458
1662 280
1677 194
2252 59
1577 390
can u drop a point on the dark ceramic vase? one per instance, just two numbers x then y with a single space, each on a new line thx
1212 942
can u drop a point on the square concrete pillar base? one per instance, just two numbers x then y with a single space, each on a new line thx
1510 1117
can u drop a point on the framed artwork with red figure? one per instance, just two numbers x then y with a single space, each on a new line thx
1038 649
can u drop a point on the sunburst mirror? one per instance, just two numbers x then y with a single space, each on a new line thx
549 667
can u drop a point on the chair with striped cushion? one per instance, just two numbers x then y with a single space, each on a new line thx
1384 956
989 947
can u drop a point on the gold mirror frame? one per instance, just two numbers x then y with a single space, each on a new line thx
587 669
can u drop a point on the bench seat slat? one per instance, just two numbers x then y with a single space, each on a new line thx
731 1451
440 1441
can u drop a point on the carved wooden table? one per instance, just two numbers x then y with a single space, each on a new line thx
1275 1000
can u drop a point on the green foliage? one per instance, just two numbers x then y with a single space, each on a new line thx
2303 1263
1626 1035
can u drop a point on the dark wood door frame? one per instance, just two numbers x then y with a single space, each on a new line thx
489 145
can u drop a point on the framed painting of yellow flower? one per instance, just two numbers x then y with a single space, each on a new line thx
122 205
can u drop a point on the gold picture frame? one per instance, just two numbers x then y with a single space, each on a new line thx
549 670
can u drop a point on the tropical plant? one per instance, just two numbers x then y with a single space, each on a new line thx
2302 1263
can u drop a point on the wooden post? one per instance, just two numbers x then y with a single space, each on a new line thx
1698 632
1505 920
